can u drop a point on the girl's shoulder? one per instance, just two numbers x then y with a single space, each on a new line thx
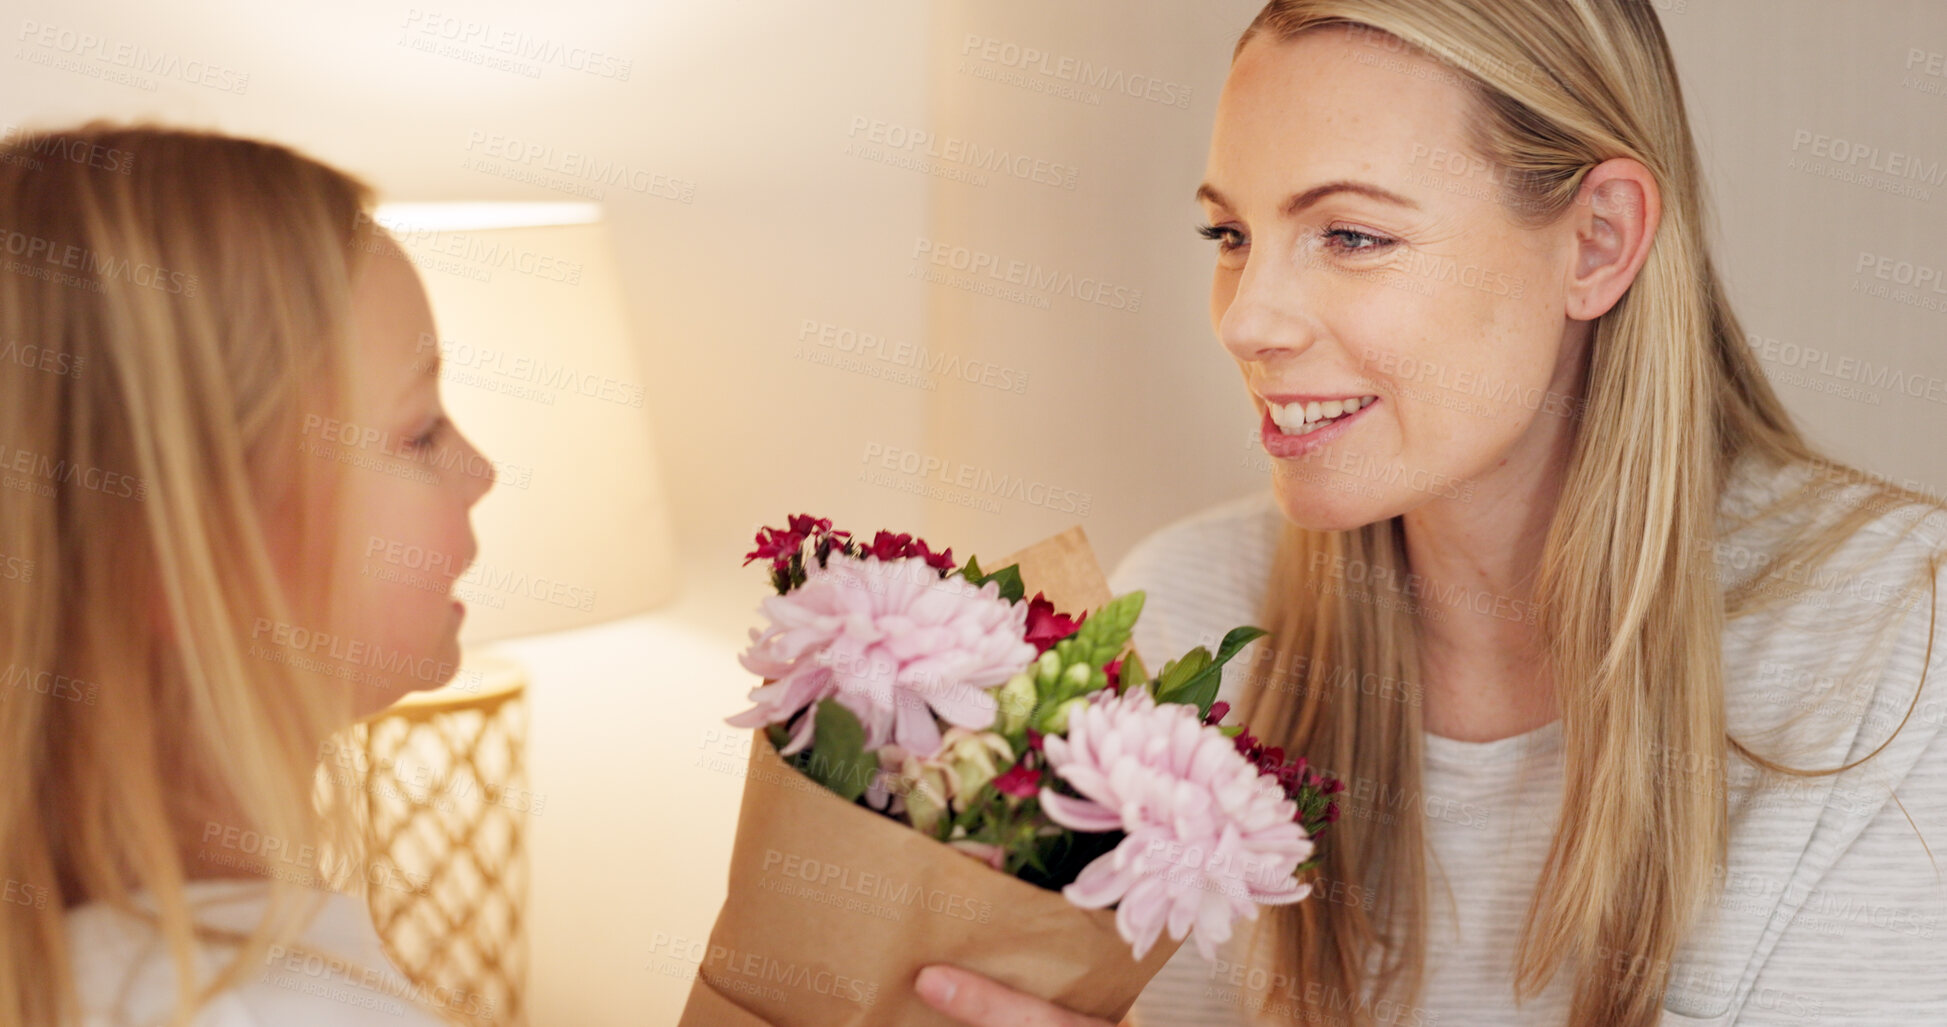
337 973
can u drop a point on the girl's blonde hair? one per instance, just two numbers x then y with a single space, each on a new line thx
171 302
1630 609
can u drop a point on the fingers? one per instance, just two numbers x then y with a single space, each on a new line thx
982 1002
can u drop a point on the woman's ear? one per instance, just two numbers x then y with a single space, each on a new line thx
1614 218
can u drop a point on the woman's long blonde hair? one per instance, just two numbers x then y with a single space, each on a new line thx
1630 606
170 302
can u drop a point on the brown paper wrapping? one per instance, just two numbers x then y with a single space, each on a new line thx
833 909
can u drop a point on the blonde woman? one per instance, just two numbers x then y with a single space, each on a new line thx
1636 694
215 396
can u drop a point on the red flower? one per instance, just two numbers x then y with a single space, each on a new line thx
1113 669
1046 627
780 544
941 561
1294 776
772 544
805 524
888 546
1020 781
783 547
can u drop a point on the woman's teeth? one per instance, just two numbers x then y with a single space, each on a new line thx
1304 418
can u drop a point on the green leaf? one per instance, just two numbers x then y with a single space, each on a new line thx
1010 581
1133 672
1104 633
838 757
1236 639
1008 576
1201 688
1179 671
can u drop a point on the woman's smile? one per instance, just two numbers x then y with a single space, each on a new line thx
1295 430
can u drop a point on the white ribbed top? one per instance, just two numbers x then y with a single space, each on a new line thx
1831 911
336 975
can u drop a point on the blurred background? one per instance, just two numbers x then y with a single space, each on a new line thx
921 266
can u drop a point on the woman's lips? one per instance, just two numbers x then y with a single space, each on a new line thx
1286 447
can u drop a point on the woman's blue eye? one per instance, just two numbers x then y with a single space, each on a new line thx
1371 242
1227 238
1344 240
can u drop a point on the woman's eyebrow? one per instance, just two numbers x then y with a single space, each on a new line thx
1299 201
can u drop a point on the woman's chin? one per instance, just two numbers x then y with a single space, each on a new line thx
1316 507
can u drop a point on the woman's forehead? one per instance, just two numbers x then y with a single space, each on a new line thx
1314 108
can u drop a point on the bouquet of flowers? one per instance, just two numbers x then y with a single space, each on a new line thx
929 738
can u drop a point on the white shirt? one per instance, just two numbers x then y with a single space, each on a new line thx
126 977
1831 910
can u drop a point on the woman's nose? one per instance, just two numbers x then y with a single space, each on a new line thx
1265 315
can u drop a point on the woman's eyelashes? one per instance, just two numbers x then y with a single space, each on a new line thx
1226 237
1344 241
1355 241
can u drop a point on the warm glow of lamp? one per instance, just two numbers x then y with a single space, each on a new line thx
542 374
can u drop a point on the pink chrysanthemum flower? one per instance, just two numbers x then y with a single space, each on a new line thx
891 640
1209 839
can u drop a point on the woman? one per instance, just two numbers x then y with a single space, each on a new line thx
215 397
1623 674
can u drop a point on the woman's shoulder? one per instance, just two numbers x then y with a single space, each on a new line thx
337 974
1917 521
1829 674
1825 657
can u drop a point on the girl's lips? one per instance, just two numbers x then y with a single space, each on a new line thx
1286 447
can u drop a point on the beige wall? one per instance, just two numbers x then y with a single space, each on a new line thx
757 104
1135 415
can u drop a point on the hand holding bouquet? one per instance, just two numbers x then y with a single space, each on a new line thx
934 701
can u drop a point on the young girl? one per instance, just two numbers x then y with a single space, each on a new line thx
1636 694
215 399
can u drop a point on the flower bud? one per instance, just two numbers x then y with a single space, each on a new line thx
926 799
1077 676
973 758
1047 669
1058 722
1016 701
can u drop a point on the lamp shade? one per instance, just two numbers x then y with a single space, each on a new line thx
540 371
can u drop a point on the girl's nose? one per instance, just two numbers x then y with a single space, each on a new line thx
481 472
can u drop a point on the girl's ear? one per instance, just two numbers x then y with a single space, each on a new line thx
1614 218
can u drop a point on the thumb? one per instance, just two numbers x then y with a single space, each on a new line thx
983 1002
